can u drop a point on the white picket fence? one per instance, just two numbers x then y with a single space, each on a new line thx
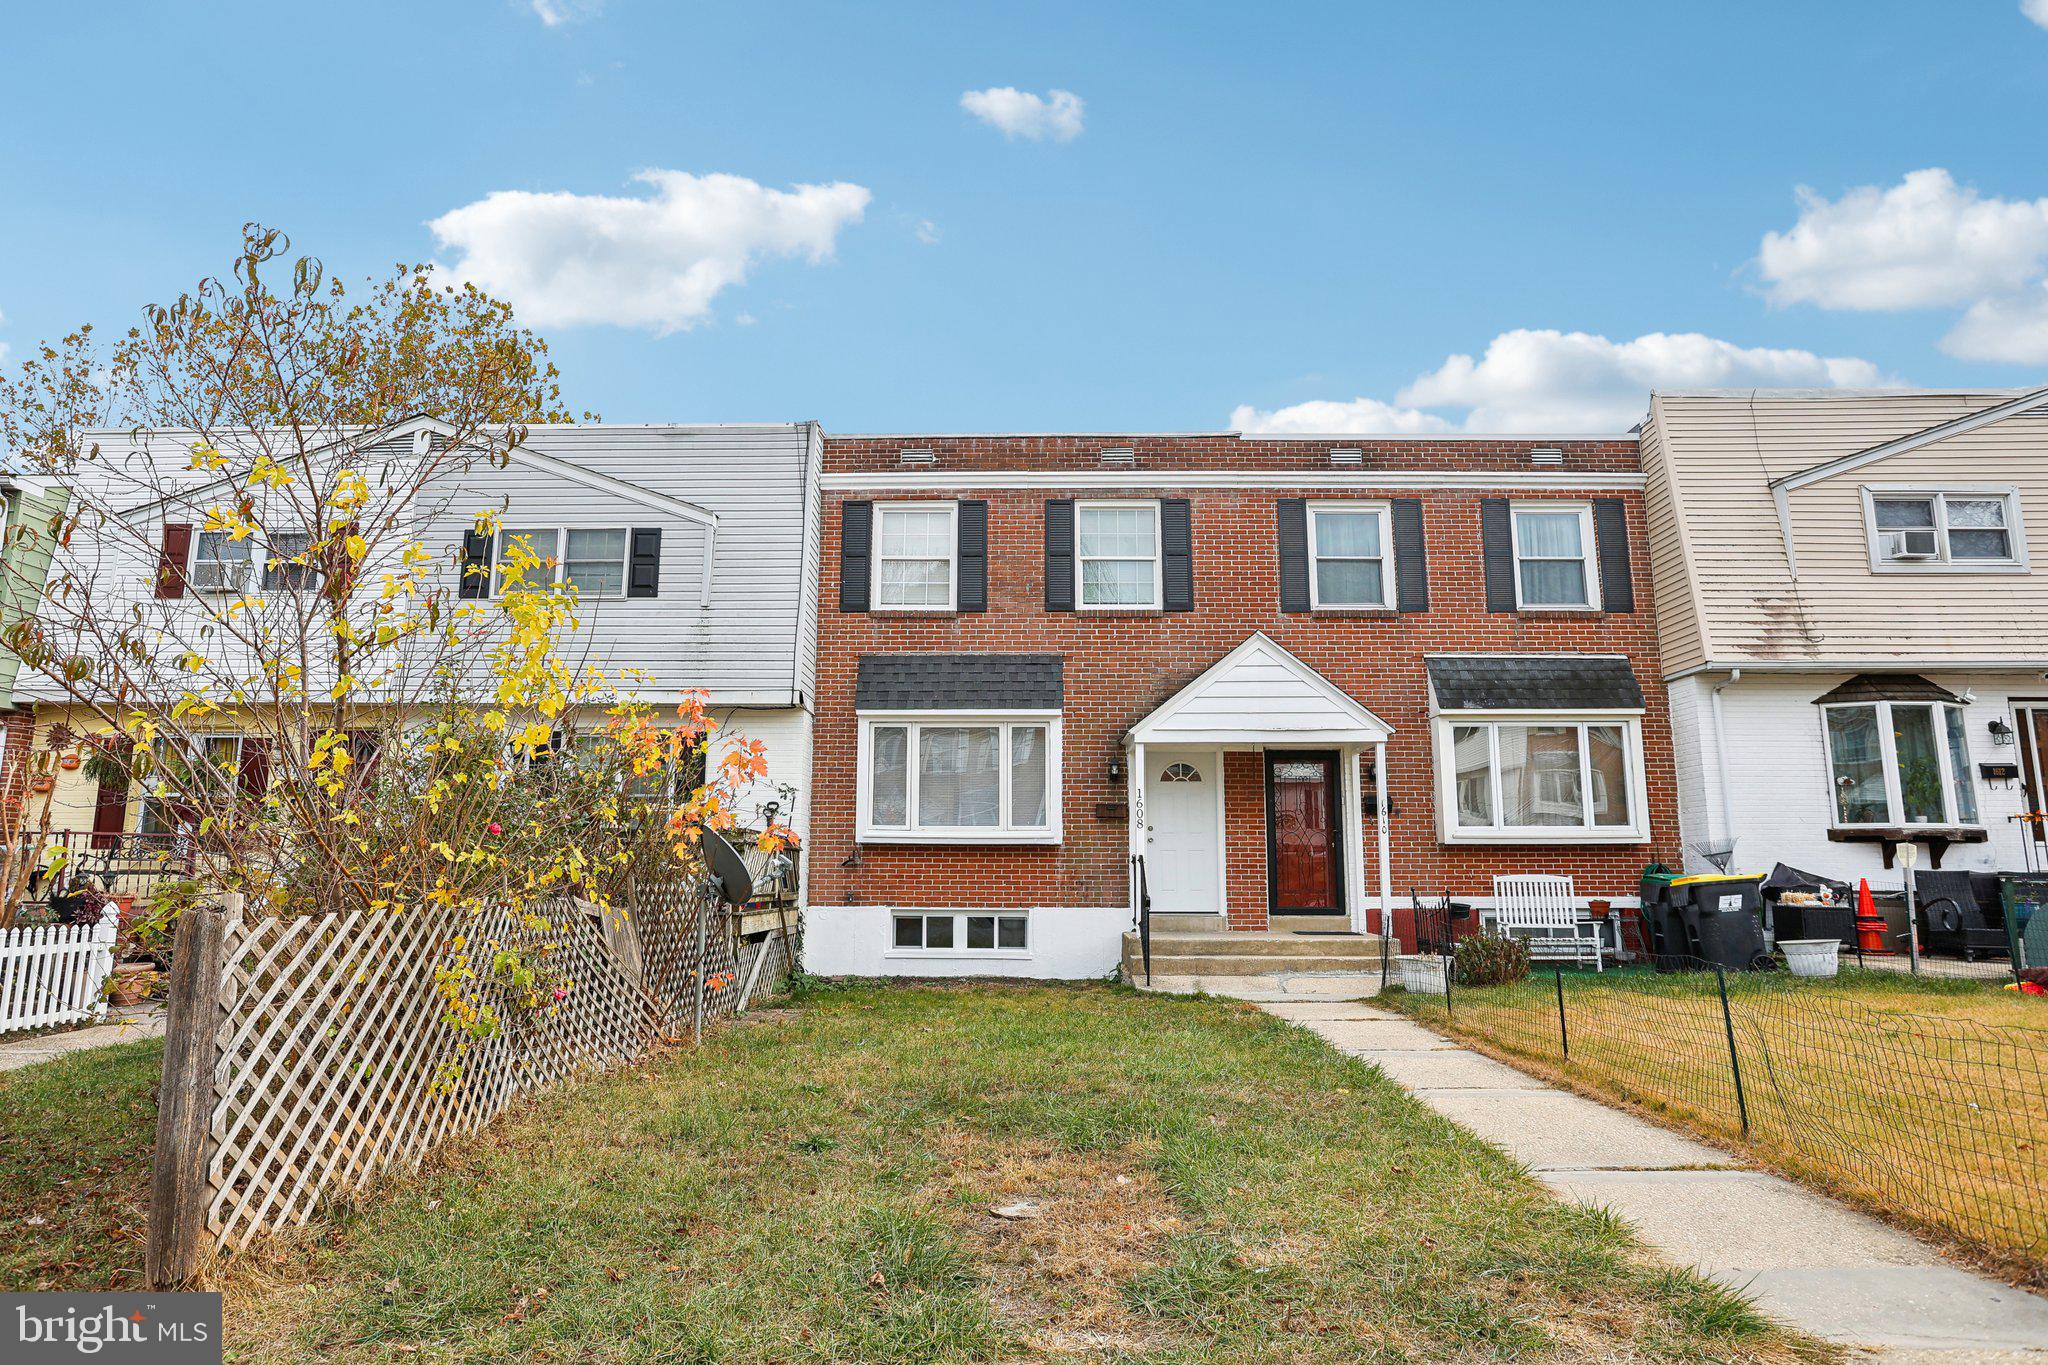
54 974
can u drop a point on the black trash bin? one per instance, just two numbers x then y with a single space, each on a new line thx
1721 915
1663 938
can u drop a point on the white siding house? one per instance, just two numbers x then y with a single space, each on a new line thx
719 523
1853 633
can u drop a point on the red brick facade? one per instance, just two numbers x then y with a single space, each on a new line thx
1122 665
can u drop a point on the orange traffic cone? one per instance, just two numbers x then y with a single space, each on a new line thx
1870 925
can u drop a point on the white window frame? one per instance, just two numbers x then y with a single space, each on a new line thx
1002 832
559 556
1888 756
952 510
1589 555
959 947
1378 510
1081 602
1444 727
252 566
1938 494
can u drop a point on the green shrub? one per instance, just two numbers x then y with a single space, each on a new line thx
1492 959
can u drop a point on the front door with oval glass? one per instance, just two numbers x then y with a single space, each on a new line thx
1302 844
1183 816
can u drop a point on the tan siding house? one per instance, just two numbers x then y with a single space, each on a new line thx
1851 625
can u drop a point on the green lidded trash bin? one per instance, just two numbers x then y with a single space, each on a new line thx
1664 938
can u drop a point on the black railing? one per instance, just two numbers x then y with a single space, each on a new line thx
1144 898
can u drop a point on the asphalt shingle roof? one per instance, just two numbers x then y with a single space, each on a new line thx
961 682
1534 682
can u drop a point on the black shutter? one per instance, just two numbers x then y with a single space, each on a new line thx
1176 555
1497 544
1411 559
1059 554
972 589
643 574
476 564
1293 554
856 546
1610 534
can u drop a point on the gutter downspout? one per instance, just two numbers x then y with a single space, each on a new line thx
1721 757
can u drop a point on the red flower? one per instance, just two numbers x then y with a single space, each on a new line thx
495 828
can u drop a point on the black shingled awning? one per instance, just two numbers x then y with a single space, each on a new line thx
1868 687
1534 682
961 682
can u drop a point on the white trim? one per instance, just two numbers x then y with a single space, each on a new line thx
1588 557
1081 509
2025 402
1366 728
1171 480
1888 766
1938 495
952 511
1383 517
1443 742
1002 832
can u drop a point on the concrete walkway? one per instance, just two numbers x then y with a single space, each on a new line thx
125 1024
1806 1259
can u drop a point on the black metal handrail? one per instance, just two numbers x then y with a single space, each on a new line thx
1144 913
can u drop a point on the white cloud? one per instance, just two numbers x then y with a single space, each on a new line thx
1328 416
2013 328
1551 381
1019 113
927 232
1925 242
655 262
2037 10
555 13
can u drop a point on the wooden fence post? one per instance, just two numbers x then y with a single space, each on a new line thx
184 1119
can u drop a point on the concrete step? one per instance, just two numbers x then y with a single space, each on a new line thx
1196 965
1262 945
1292 924
1175 922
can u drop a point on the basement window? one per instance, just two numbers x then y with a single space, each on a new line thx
948 932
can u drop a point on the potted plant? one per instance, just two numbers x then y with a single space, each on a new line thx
1599 908
133 982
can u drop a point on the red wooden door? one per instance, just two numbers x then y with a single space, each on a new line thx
1302 813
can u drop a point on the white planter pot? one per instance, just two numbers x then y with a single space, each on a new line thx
1812 956
1422 974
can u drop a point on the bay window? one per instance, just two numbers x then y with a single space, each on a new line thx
1563 778
947 778
1899 763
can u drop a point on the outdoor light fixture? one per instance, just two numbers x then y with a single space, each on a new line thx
1117 771
2001 733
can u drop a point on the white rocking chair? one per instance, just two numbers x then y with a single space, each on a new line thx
1544 910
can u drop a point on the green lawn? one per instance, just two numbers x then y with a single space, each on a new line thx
1212 1185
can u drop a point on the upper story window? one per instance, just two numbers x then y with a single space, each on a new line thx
1348 556
221 563
1554 557
590 559
1899 763
915 549
287 565
1117 546
948 778
1943 530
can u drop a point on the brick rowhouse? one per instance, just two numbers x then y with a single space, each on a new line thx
1122 664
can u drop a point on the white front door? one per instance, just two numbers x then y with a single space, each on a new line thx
1183 812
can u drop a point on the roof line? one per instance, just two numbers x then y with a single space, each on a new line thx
1984 417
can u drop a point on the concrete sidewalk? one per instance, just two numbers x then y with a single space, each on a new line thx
125 1024
1806 1259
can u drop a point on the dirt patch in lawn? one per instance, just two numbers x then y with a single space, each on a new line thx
1080 1227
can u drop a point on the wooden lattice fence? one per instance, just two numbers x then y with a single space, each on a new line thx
307 1055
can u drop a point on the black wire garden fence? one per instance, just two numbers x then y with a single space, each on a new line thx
1924 1096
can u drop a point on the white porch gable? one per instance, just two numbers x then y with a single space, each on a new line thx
1260 694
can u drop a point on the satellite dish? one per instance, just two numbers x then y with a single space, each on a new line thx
728 869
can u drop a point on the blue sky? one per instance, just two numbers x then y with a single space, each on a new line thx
1290 216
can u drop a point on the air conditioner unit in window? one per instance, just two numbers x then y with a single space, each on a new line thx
1911 545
